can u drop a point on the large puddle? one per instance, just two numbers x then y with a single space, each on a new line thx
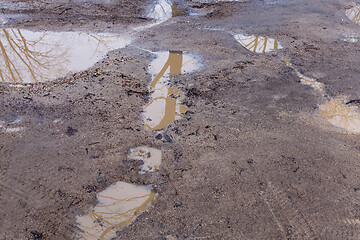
118 206
354 14
334 110
257 44
29 57
165 104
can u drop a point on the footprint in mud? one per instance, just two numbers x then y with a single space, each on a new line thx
335 110
257 44
165 102
354 14
118 206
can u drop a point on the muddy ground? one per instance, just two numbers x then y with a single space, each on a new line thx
252 160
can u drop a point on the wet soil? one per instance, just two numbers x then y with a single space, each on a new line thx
252 159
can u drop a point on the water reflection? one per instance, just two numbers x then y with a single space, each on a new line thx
28 56
318 86
165 104
118 206
150 156
257 44
334 110
354 14
341 115
162 11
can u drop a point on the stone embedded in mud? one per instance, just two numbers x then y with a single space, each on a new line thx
257 44
29 57
354 14
165 104
150 156
118 206
341 115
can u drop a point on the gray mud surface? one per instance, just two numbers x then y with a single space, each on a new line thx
253 158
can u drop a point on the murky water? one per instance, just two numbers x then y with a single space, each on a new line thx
28 56
257 44
150 156
165 102
118 206
336 111
354 14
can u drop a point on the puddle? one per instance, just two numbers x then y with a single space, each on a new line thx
150 156
258 44
165 102
338 113
341 115
8 120
354 14
162 11
29 57
318 86
118 206
350 38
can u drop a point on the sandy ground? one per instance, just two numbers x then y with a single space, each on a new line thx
253 159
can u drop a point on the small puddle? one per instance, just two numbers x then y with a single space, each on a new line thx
7 122
318 86
162 11
29 57
258 44
350 38
165 104
118 206
150 156
341 115
354 14
337 112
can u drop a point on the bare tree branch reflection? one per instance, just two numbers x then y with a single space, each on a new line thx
42 56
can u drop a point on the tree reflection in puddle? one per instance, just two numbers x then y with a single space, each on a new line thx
28 56
335 110
354 14
165 104
257 44
118 206
341 115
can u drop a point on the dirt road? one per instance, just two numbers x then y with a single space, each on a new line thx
254 157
